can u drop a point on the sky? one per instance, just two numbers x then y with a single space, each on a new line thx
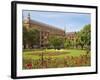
70 22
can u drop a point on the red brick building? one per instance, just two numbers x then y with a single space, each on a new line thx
44 29
71 35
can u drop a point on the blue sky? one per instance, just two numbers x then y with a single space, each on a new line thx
63 20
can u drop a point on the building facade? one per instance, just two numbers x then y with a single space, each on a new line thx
45 30
71 35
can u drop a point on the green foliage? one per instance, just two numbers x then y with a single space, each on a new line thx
33 36
67 44
56 41
25 36
84 37
30 37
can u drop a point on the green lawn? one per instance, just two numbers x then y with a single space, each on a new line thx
35 54
51 58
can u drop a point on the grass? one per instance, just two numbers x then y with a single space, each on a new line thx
35 54
55 58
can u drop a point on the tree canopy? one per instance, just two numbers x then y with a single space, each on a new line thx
30 37
81 40
56 41
85 36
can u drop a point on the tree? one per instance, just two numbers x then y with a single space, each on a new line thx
56 41
76 42
84 37
81 39
33 37
25 37
67 43
30 37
